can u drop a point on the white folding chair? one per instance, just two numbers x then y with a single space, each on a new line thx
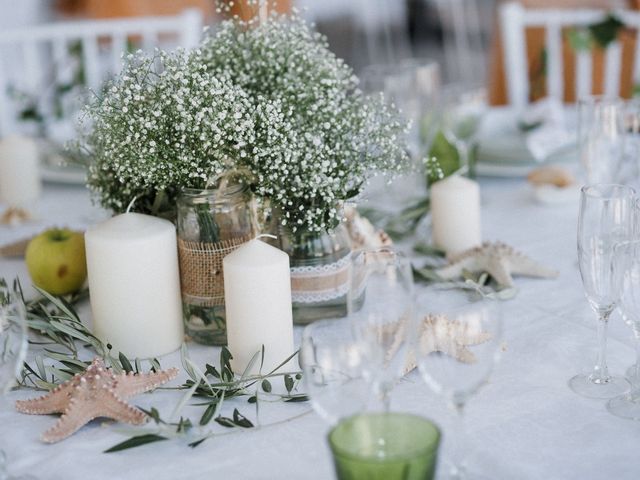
514 19
34 56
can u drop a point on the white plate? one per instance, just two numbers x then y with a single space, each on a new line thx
502 148
65 175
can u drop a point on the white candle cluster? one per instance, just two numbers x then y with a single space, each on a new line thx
135 293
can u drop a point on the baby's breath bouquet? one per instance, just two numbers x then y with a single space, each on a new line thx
330 138
164 124
269 99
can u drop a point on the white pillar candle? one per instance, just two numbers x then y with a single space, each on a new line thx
134 284
455 214
257 294
19 174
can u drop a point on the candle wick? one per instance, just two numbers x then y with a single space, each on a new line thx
266 235
131 204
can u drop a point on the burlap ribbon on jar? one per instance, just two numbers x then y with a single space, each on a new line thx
321 283
201 274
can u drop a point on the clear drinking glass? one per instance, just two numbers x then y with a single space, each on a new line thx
601 135
627 262
413 86
606 218
13 349
332 364
456 342
381 302
463 108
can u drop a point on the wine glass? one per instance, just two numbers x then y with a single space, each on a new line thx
13 337
332 364
456 343
606 219
380 306
13 348
463 108
627 262
601 134
627 312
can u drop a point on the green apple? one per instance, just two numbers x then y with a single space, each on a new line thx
56 261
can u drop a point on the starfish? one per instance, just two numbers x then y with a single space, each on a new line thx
363 234
499 260
439 334
97 392
14 216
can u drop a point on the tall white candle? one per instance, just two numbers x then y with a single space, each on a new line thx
257 294
19 175
134 283
455 214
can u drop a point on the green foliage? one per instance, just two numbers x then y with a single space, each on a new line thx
605 32
446 154
56 322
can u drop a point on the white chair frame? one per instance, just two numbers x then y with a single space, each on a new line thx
186 27
514 19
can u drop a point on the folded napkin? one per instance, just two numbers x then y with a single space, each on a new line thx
547 134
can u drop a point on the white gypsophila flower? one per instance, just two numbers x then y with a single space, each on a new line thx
270 99
318 138
165 123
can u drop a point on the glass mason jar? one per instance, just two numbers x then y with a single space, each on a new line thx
211 224
319 263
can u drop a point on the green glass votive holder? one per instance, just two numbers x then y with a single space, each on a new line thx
385 446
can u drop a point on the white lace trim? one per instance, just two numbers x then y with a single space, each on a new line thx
321 271
320 296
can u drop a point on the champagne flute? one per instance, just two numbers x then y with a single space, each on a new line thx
627 262
13 349
601 135
332 364
456 343
606 219
463 109
633 372
381 298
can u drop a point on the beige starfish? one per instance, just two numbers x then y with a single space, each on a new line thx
14 216
363 234
499 260
97 392
439 334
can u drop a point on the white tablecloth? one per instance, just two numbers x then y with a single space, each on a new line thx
525 424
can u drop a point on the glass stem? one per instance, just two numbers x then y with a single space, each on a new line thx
636 367
600 371
4 474
457 441
384 393
463 151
